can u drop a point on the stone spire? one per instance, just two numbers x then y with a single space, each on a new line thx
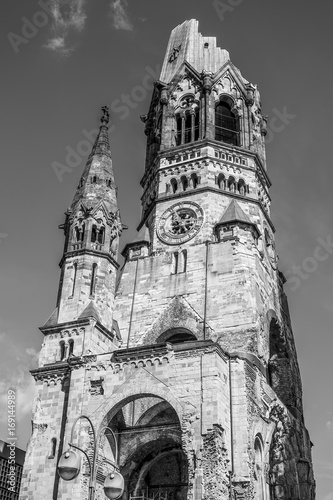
92 230
97 181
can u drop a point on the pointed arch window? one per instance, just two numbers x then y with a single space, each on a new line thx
226 124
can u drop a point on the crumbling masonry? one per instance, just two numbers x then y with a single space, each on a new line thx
187 351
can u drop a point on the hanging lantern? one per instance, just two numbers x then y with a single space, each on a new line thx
69 465
114 485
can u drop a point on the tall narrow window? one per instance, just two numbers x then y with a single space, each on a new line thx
182 261
196 125
174 185
187 122
226 124
194 180
175 258
62 350
93 280
101 234
179 130
71 346
184 182
232 184
242 187
259 470
93 234
74 277
53 448
221 181
188 128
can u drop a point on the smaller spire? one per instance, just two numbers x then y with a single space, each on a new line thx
235 215
102 145
105 117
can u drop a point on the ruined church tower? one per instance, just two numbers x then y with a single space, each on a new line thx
186 351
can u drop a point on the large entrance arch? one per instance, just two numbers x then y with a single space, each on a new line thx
149 439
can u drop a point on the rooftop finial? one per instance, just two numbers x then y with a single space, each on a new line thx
106 116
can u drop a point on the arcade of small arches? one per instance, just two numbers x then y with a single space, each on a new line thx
231 184
183 183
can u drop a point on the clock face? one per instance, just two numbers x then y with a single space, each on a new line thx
180 223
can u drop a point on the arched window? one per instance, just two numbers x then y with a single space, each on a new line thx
94 179
258 470
226 124
241 187
232 184
221 181
194 180
174 185
187 122
184 182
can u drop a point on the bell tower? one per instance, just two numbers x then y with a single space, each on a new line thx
190 359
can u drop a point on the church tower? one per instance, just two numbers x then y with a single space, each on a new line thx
189 357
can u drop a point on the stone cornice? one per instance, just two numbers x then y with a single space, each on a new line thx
76 324
86 251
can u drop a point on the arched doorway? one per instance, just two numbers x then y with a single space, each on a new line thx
150 449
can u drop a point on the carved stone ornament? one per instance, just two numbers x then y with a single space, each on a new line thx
180 223
174 53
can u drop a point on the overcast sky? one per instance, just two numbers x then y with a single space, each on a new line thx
54 79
